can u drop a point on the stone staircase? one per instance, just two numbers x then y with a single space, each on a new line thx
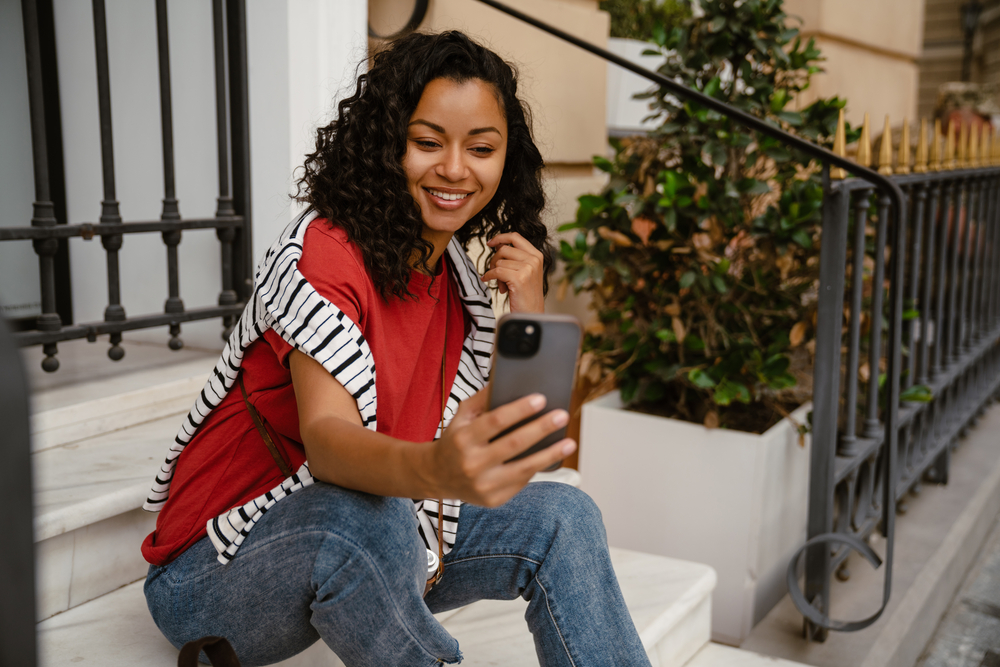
97 444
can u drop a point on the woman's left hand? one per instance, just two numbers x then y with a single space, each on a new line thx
519 268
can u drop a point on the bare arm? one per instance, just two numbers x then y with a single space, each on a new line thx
463 464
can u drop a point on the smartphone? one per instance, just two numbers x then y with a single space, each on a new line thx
535 353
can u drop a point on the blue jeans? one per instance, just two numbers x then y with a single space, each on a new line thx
349 568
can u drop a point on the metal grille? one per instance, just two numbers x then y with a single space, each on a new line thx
232 217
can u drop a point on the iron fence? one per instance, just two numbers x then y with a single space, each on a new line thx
49 228
927 326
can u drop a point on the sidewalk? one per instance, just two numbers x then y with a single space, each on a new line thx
969 633
937 543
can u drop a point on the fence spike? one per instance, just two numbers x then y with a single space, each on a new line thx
903 166
935 164
962 156
949 148
994 148
972 160
986 148
839 147
864 157
885 150
920 163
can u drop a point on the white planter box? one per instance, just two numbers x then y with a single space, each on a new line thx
624 114
735 501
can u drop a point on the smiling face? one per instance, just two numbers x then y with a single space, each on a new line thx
455 150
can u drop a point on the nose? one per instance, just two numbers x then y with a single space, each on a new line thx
452 165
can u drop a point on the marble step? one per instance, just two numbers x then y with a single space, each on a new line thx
719 655
93 471
669 599
96 446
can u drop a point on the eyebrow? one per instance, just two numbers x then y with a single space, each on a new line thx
438 128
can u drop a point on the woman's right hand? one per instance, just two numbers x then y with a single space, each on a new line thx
469 467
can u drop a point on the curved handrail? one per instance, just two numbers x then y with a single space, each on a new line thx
895 194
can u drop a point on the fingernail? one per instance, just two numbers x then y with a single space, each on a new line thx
568 447
537 401
560 417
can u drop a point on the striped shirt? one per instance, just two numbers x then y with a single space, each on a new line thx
284 300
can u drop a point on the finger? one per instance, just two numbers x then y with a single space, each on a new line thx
544 459
511 253
472 407
502 274
513 239
490 424
528 435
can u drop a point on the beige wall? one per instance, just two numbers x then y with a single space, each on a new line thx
563 85
871 49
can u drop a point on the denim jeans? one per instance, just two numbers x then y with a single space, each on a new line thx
349 568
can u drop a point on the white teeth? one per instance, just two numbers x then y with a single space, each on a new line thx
447 195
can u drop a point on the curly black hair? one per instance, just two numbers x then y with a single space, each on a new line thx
355 177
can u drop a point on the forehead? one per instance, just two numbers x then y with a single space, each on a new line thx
459 106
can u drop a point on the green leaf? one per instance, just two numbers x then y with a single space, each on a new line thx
802 237
603 164
700 378
666 335
717 24
911 314
729 391
694 343
687 279
719 284
918 393
566 226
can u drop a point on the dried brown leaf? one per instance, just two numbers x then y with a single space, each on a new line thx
712 419
673 309
678 327
798 333
614 236
643 227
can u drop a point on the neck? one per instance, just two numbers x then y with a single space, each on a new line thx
440 241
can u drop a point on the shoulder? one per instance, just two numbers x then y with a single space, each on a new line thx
335 267
328 252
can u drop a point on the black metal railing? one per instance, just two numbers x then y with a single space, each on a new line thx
942 251
17 558
232 217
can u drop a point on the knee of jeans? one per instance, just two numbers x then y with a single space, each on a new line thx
569 510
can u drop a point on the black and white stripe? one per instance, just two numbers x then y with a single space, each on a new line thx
284 300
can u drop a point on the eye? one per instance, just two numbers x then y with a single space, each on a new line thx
426 143
483 150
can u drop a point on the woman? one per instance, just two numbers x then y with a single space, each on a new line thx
257 545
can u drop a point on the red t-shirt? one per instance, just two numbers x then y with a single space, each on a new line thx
227 464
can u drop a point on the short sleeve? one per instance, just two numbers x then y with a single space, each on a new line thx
334 268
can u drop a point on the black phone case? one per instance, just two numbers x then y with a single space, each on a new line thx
550 371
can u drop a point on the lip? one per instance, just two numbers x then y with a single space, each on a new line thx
447 204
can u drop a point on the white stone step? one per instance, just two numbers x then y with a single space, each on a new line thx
93 464
718 655
670 603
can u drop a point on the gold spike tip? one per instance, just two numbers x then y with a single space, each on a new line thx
995 148
935 164
839 147
885 150
864 156
973 152
903 167
920 164
949 148
962 156
985 147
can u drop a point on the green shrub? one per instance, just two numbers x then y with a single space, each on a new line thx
701 255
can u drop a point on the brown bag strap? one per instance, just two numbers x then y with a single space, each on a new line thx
258 421
218 650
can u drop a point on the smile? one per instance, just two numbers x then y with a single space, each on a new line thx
448 196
